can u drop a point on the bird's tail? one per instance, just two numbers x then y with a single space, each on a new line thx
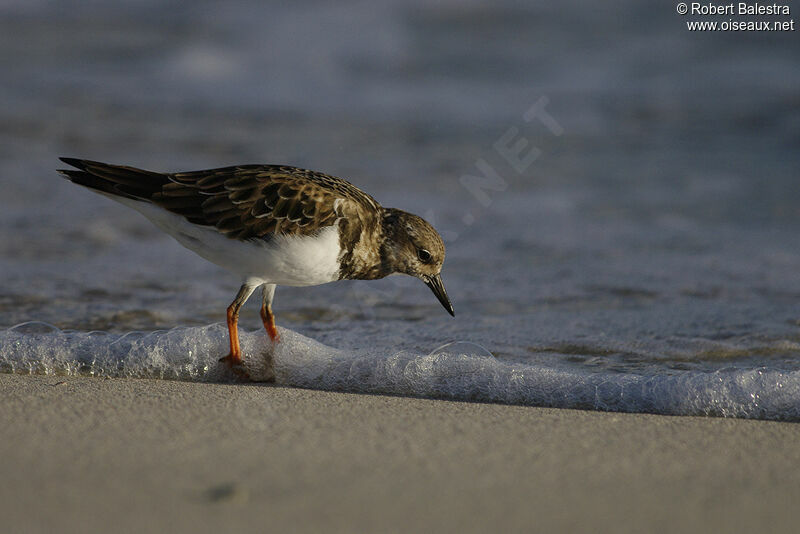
114 180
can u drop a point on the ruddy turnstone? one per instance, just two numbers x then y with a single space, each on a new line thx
275 225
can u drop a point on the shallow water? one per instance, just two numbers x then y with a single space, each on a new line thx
646 260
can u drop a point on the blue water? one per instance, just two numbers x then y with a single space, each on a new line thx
646 259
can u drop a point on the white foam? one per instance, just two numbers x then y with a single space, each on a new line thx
458 371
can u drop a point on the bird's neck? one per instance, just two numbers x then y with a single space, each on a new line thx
366 251
390 261
371 254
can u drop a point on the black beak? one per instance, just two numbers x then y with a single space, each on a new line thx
436 285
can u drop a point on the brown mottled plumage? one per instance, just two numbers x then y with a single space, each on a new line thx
270 204
242 202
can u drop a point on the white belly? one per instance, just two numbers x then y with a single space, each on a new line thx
284 260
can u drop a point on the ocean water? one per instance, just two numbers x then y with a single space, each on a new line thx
642 254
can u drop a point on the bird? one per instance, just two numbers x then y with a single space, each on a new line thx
274 225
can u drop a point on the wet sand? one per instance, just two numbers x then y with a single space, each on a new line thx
91 455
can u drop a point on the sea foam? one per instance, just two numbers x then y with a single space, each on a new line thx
456 371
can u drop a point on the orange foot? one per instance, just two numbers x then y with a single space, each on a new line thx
234 363
268 319
272 331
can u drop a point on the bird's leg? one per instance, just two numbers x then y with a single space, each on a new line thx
235 356
267 292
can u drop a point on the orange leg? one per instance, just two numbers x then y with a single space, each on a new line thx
267 317
235 355
234 358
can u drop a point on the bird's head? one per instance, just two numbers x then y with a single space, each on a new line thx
415 248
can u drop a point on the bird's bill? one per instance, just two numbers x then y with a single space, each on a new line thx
436 285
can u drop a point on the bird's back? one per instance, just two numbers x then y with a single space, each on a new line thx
241 202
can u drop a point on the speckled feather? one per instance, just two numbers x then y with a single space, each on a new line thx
241 202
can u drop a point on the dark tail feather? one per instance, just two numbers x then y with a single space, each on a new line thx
129 182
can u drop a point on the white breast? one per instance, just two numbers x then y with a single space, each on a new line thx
284 260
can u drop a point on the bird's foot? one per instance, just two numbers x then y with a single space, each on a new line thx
234 363
274 336
269 325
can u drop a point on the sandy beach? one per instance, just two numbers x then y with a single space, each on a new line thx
92 455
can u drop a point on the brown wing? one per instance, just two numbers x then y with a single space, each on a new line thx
242 202
251 201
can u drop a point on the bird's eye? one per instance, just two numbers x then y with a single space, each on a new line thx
423 255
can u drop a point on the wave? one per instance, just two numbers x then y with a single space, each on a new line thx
457 371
